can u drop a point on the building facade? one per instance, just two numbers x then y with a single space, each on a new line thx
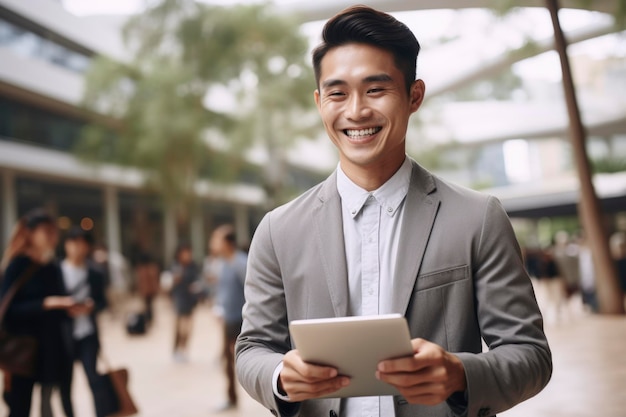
44 55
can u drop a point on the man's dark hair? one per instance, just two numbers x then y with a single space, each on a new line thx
182 247
228 234
36 217
362 24
76 233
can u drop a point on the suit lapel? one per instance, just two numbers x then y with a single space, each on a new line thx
420 210
329 235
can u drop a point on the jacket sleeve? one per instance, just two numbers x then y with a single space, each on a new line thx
20 306
518 364
96 284
264 337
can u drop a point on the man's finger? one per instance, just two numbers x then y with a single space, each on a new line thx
307 371
410 379
409 364
300 391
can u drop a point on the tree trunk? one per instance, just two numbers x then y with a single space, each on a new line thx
610 297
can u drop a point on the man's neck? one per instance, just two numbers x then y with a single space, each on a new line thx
371 178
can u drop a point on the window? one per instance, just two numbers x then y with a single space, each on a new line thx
29 124
34 45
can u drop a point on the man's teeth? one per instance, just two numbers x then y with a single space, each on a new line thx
362 132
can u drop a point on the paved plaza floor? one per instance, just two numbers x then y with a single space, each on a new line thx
589 370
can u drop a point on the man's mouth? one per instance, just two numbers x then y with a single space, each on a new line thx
362 133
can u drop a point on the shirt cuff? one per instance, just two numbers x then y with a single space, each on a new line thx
286 408
275 377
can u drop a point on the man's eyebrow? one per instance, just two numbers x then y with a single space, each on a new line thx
378 78
333 83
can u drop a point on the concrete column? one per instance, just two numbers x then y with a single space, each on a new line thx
9 206
198 238
170 235
242 225
112 218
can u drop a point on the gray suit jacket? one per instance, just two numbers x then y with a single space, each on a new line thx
460 278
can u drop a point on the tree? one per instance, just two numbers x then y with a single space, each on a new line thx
610 296
156 103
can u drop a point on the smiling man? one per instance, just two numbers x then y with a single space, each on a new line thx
382 235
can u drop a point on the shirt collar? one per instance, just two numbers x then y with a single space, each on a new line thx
390 195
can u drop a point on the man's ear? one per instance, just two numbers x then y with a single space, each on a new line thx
418 88
316 96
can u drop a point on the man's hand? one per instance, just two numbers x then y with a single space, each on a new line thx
428 377
303 381
81 309
57 302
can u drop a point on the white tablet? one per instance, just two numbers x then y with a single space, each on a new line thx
355 346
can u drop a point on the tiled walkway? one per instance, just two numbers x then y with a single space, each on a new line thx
589 371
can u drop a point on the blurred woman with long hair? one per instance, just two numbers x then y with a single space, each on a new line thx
39 309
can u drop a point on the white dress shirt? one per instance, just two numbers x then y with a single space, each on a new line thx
77 286
371 230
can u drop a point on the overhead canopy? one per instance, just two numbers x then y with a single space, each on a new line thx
561 197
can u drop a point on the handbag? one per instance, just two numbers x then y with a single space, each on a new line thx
112 397
18 353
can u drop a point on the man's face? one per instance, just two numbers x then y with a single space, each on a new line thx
364 105
217 244
76 249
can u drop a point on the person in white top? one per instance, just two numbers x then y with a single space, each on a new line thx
383 235
86 286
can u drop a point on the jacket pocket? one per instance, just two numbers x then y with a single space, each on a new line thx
441 278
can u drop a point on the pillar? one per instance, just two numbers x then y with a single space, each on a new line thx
198 238
242 225
170 235
112 219
9 206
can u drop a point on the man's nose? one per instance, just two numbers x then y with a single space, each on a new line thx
357 108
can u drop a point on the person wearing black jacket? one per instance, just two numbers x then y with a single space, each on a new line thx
39 309
84 284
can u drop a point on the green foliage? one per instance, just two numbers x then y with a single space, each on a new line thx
156 102
502 7
608 165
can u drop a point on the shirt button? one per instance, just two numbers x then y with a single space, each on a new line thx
353 212
389 209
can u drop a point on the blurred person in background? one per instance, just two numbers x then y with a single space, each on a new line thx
618 250
100 262
566 258
86 285
40 309
567 281
185 289
147 273
117 277
211 268
541 265
587 275
229 299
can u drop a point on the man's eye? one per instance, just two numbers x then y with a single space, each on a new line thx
374 90
336 94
